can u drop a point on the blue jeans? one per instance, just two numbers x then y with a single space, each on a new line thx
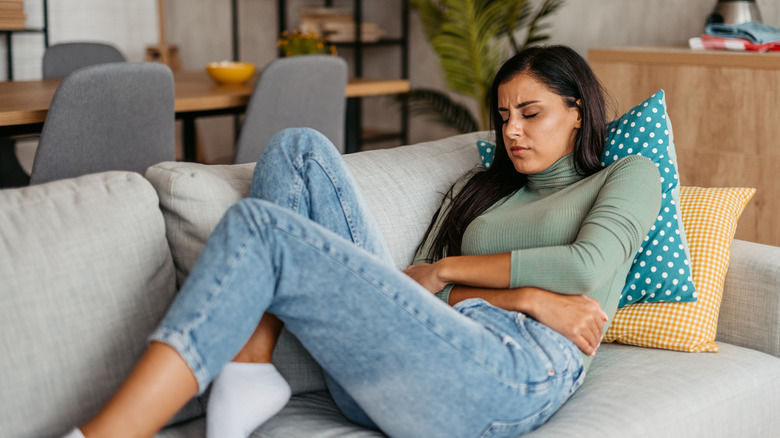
305 248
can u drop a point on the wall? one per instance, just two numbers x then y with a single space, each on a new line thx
584 24
201 29
129 25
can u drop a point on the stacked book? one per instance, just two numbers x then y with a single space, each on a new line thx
337 25
751 37
12 16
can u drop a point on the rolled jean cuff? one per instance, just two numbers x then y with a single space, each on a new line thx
183 345
444 294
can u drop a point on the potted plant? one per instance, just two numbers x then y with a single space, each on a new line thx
472 39
298 43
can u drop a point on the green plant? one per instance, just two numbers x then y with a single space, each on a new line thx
297 43
472 39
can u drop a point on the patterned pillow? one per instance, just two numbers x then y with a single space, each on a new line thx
486 152
661 270
710 216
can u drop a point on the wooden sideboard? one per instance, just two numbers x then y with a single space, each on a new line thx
725 113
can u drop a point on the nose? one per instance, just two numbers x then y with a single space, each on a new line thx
513 127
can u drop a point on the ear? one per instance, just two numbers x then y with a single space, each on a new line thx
578 123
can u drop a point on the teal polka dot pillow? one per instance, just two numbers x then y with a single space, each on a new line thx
661 270
486 152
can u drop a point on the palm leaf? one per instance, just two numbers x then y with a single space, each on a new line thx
431 14
440 107
535 27
468 53
473 37
516 15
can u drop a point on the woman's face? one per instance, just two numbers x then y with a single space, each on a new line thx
538 127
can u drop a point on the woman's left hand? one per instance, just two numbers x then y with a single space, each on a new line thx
427 275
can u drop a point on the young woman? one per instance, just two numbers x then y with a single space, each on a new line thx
532 255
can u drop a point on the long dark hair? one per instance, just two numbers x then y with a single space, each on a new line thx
564 72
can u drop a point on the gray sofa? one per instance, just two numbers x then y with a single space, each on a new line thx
89 265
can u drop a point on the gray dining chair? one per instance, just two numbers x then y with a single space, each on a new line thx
299 91
116 116
60 60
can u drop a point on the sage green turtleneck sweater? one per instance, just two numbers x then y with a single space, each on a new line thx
568 233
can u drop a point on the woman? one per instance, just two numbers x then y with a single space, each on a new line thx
543 240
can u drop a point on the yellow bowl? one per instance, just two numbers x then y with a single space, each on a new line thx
228 72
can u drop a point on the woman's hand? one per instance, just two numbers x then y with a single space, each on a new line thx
427 275
577 317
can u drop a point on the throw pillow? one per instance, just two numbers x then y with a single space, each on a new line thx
710 217
486 152
661 269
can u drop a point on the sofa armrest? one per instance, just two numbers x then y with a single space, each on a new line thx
750 310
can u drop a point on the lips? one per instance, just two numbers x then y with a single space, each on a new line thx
518 151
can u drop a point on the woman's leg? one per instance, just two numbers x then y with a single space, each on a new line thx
415 366
159 385
249 390
303 171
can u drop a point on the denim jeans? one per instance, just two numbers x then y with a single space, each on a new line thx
305 247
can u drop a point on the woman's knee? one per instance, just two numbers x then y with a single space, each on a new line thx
300 141
247 213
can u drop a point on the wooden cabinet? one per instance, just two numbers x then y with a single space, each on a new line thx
725 113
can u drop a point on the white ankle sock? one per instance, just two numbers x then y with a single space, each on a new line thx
75 433
244 396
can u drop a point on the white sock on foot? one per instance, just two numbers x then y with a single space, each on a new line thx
244 396
75 433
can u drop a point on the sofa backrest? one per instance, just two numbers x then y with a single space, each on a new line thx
403 187
85 276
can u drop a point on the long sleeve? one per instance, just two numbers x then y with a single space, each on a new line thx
611 232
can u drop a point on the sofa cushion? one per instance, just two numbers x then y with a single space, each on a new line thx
629 392
644 393
86 276
404 186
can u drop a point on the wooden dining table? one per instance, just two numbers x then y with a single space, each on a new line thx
24 104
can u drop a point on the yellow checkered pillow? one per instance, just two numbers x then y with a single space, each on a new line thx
709 217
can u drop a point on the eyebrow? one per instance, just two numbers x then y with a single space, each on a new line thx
520 105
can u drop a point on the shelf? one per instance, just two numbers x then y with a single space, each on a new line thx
355 48
9 39
381 42
27 30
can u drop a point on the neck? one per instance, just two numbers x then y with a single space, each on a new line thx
562 173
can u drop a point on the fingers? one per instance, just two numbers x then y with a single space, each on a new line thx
594 326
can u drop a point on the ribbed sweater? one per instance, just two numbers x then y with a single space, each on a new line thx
568 233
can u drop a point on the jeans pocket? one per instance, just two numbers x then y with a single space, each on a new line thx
499 429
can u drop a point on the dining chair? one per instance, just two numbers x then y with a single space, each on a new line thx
116 116
60 60
299 91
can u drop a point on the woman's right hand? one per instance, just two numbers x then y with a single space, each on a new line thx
577 317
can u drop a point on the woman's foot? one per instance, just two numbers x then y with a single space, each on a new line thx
244 396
